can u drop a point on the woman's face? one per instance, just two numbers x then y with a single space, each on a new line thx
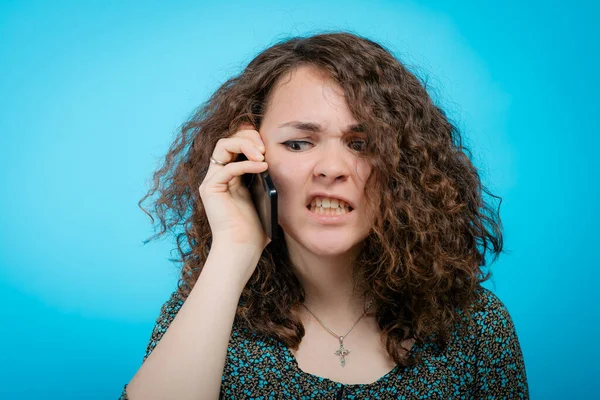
313 157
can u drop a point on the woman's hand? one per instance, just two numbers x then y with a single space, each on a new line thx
232 216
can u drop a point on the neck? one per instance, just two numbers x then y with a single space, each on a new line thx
329 288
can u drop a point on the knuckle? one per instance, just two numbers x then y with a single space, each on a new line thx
245 126
221 143
250 136
246 133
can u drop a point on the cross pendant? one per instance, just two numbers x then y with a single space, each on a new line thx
342 352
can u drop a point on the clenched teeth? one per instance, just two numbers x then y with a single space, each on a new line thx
329 211
327 206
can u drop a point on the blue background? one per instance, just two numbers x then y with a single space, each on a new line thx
91 95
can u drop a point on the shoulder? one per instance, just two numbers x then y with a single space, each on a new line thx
172 306
489 314
494 339
169 310
485 325
500 368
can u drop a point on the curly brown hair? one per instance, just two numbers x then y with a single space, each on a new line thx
422 260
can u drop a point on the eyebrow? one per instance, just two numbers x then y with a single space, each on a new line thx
314 127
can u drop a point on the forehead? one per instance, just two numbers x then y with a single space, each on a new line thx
308 93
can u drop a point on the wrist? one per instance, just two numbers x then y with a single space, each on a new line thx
237 251
234 262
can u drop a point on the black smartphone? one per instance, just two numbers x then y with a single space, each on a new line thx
264 197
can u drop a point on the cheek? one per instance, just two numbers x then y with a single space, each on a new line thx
288 182
363 169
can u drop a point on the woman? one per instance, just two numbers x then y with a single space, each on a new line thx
373 291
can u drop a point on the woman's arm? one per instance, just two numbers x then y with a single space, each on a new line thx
188 361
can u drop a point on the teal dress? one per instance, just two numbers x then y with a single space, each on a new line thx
486 363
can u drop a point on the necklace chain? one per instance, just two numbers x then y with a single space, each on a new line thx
340 338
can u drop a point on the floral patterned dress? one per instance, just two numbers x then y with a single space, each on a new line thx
486 363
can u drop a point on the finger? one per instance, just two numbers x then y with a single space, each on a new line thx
248 131
227 150
219 181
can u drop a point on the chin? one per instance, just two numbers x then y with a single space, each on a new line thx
323 244
322 249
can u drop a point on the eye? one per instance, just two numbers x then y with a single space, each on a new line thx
295 144
358 144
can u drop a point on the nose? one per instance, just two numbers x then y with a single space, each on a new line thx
332 165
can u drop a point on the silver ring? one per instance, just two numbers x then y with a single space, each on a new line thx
217 162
